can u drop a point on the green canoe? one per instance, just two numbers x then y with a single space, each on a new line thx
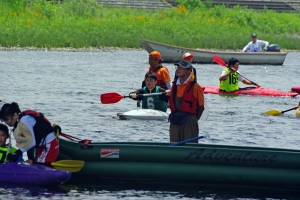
202 163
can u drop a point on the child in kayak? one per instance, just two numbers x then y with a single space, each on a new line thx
156 102
162 72
5 149
229 78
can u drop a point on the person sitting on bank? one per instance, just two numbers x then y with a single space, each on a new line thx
255 45
229 78
33 133
156 102
5 149
186 104
189 58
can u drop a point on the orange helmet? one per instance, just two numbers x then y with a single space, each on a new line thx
155 54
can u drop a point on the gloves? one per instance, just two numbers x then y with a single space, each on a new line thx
14 157
265 49
138 103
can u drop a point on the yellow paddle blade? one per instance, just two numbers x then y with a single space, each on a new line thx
273 112
68 165
298 112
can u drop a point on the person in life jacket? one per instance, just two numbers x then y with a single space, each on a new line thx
229 78
189 58
5 149
162 72
33 133
186 103
156 102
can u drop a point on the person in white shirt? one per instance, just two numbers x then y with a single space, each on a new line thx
255 45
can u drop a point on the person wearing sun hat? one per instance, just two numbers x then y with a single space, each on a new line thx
186 103
33 133
255 45
162 72
189 58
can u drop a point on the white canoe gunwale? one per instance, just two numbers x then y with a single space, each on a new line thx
173 54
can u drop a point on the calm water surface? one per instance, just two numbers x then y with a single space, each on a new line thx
65 86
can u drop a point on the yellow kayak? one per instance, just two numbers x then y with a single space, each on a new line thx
298 112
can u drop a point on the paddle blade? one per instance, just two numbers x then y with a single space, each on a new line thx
111 97
219 60
273 112
68 165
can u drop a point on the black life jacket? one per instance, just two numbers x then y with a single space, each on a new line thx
42 126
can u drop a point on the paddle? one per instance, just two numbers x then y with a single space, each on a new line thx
190 140
221 62
68 165
113 97
277 112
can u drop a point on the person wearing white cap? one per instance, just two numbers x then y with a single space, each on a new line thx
189 58
255 45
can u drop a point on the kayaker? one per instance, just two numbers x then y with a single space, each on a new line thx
162 72
186 103
5 149
255 45
33 134
156 102
229 78
189 58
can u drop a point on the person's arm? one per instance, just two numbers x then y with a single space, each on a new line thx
166 77
263 43
135 95
199 95
247 82
225 75
163 97
247 47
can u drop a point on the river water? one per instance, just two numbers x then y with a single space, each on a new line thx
65 86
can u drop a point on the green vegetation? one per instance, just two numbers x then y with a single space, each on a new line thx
84 23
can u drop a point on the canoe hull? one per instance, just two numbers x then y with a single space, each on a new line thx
144 114
203 163
251 91
31 174
173 54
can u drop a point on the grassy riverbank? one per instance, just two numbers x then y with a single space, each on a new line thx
84 24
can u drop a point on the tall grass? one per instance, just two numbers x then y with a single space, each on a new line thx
84 23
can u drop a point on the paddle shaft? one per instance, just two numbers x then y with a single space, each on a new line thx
113 97
186 141
290 109
146 95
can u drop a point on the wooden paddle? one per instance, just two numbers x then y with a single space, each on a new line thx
190 140
221 62
277 112
68 165
113 97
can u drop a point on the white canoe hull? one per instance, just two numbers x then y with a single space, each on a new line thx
173 54
144 114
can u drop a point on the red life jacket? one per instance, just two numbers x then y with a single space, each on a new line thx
189 102
42 126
